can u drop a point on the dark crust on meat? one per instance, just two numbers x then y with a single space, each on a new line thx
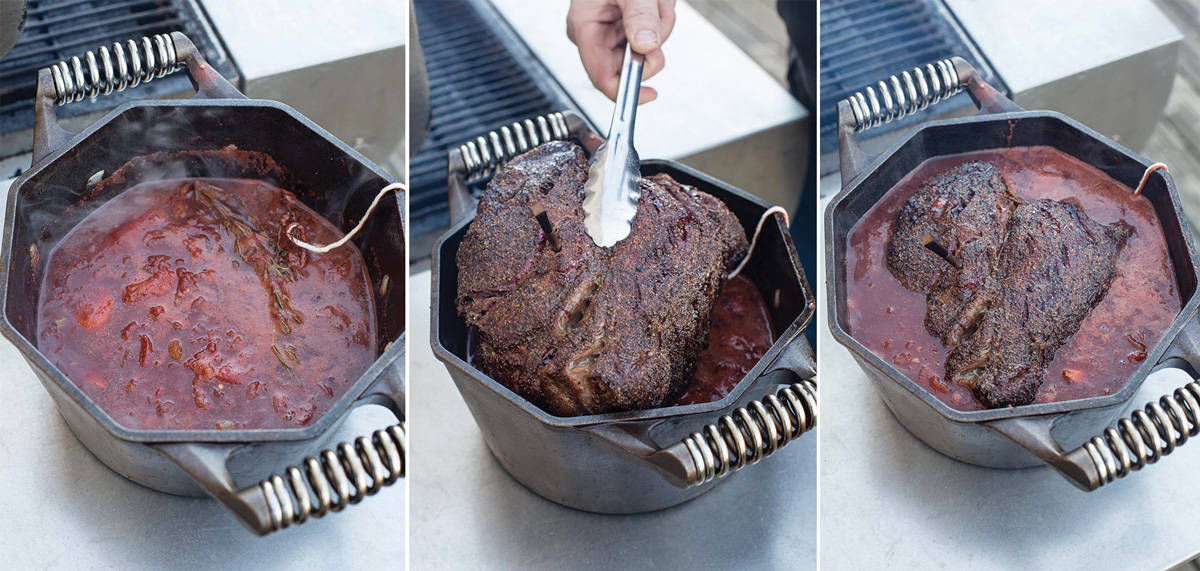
965 209
587 330
1055 266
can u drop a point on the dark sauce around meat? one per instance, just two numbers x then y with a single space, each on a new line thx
1112 341
739 335
180 304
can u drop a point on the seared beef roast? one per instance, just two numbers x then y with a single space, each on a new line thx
1014 283
965 210
1057 264
580 329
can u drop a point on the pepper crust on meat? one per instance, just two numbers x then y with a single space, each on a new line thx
1017 281
584 329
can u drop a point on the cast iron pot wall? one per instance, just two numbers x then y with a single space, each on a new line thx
329 177
595 463
966 435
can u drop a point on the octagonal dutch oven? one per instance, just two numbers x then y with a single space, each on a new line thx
233 466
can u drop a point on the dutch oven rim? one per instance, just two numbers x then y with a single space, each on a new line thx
1153 359
355 393
791 334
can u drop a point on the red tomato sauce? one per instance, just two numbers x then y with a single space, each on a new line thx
180 304
1112 341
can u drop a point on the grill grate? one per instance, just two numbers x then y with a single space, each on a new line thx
59 29
481 76
864 41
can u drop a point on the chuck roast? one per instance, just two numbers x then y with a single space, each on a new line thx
581 329
1016 282
1056 265
966 210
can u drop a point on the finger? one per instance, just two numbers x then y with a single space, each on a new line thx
642 25
608 86
655 61
646 95
666 15
583 13
600 57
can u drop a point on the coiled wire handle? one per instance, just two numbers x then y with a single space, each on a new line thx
907 92
335 478
751 433
125 65
1147 435
485 153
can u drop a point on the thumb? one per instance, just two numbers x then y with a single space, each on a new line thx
643 25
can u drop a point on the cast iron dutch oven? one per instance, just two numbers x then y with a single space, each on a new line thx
330 177
636 461
1070 436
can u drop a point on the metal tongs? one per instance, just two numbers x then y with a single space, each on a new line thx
610 196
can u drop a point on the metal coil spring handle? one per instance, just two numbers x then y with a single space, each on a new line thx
753 432
125 65
742 437
1143 438
117 67
332 479
482 155
904 93
325 482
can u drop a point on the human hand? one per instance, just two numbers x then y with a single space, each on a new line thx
600 29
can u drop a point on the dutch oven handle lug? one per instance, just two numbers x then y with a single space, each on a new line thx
205 80
736 440
462 203
207 465
906 93
744 436
1033 434
1132 443
91 77
488 151
325 482
751 432
336 477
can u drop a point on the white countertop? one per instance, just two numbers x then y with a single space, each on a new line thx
1089 38
267 37
468 513
890 501
63 509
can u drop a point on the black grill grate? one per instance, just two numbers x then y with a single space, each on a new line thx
864 41
481 76
59 29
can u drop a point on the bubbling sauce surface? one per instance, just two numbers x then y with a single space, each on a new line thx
1111 342
180 304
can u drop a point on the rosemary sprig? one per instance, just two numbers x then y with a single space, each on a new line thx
279 356
264 254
